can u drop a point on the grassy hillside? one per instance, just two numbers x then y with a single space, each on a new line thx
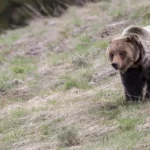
58 90
15 13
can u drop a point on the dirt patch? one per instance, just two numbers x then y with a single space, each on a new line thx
113 29
145 126
20 93
145 146
99 77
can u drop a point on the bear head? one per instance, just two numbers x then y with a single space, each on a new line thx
124 52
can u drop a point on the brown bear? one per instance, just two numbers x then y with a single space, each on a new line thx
130 54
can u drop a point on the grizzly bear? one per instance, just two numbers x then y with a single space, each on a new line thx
130 54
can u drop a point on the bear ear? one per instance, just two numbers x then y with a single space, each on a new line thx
130 38
133 39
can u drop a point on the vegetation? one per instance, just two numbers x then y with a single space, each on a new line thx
17 12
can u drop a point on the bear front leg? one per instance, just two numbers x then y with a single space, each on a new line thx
148 89
133 83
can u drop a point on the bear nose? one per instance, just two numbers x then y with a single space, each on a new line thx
115 65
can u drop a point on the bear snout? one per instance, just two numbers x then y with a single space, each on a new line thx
115 65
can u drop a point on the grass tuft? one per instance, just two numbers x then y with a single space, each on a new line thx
45 130
80 61
128 123
74 83
57 58
18 69
109 111
19 112
68 137
8 123
84 46
23 65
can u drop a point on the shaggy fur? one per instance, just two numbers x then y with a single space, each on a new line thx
130 54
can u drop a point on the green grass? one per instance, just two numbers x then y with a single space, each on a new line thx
46 130
68 136
14 136
109 96
19 112
76 20
2 58
147 16
118 140
145 21
74 83
3 54
37 109
102 44
84 46
7 40
79 61
23 65
128 123
141 10
118 12
127 118
4 78
65 32
18 69
108 111
8 124
58 58
116 110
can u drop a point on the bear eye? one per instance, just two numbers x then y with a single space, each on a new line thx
111 56
122 53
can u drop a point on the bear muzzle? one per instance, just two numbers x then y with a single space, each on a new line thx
115 66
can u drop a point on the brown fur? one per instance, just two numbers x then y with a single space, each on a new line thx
122 51
130 54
